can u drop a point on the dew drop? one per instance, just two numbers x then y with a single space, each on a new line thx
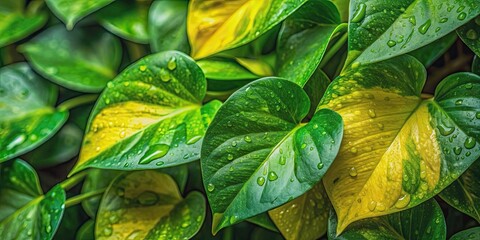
371 113
412 20
185 224
391 43
282 160
359 13
304 145
353 172
445 130
107 231
468 86
247 139
16 141
469 143
443 20
160 163
372 205
172 63
462 16
320 165
353 150
457 150
272 176
459 102
234 143
194 139
154 152
143 68
48 228
164 75
424 27
403 201
260 181
477 115
472 35
230 157
315 126
210 187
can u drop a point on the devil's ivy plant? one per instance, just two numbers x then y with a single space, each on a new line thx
214 119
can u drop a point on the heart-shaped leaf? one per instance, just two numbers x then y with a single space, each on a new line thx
425 221
470 34
127 19
167 22
431 52
84 59
214 26
308 31
148 205
469 234
379 30
304 218
24 212
152 114
399 150
464 193
27 118
70 12
257 154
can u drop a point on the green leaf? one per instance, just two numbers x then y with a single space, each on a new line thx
303 39
224 69
256 66
70 12
127 19
158 120
469 234
425 221
342 6
257 153
62 147
464 193
83 59
152 199
380 30
86 231
17 24
96 179
167 22
416 147
476 65
315 88
431 52
264 221
24 212
27 118
470 34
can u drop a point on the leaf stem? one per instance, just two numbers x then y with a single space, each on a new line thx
333 50
80 198
77 101
70 182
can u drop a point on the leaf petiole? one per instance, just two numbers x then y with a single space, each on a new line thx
81 197
334 49
70 182
77 101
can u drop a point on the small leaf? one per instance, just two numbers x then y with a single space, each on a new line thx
157 121
214 26
470 34
167 23
147 204
431 52
86 231
305 217
303 39
27 118
16 24
379 31
257 153
126 19
24 212
84 59
70 12
425 221
398 149
469 234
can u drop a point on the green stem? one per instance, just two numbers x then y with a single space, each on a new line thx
77 101
334 49
82 197
70 182
135 50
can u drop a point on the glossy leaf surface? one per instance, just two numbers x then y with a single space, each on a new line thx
16 23
257 153
70 12
431 52
469 234
470 34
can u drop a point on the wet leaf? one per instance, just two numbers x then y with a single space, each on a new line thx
96 179
70 12
470 34
157 121
476 65
256 66
379 30
147 204
425 221
27 118
24 212
214 26
257 153
224 69
303 39
84 59
399 150
469 234
305 217
315 88
86 231
263 220
428 54
167 23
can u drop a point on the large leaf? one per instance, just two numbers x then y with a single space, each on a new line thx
24 212
303 39
381 30
399 150
304 218
152 114
425 221
464 193
84 59
70 12
148 205
27 118
16 23
257 153
469 234
431 52
127 19
167 22
470 34
218 25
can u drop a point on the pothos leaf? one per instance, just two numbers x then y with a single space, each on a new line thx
84 59
148 205
257 153
381 30
150 116
470 34
476 65
27 118
425 221
303 39
24 212
469 234
431 52
399 150
86 231
214 26
70 12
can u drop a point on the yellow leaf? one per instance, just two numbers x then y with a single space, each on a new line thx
257 67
